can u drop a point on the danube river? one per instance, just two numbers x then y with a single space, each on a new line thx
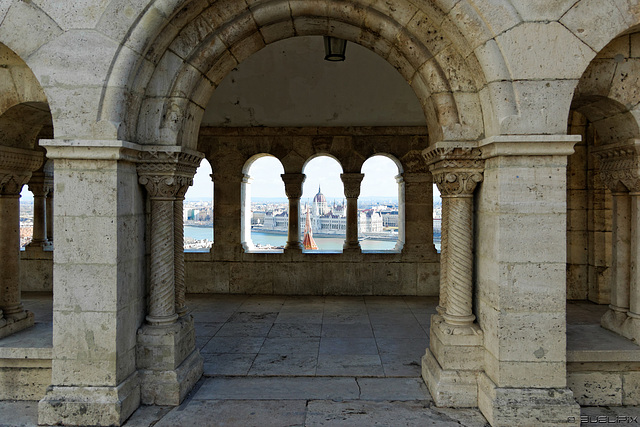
324 243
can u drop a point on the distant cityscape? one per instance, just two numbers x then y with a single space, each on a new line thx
378 219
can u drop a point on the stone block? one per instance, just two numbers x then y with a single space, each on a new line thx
171 387
12 325
164 348
596 388
457 355
584 19
525 374
519 406
96 406
24 379
631 388
457 388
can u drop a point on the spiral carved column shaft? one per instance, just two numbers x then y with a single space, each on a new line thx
444 251
459 265
178 223
456 186
162 295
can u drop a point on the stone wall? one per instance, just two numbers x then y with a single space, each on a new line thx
313 274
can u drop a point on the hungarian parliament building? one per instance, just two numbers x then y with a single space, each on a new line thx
331 219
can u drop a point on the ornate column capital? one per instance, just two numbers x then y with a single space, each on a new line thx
456 170
16 167
39 184
351 183
167 174
293 184
620 166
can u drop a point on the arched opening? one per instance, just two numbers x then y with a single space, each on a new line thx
323 201
265 210
198 211
381 205
602 215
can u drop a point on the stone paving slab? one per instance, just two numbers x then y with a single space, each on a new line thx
281 388
245 413
395 389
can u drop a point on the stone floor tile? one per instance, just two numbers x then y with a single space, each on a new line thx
364 413
291 364
234 345
290 346
244 329
398 365
399 330
380 389
300 317
281 388
18 414
349 365
147 416
228 363
295 330
245 413
348 346
212 316
403 346
464 416
346 318
347 330
253 317
207 329
201 342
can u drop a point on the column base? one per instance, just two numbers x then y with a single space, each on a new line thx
520 406
171 387
95 406
15 324
168 361
613 320
450 367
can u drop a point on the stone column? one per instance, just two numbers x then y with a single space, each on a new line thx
451 363
40 188
351 183
520 282
293 187
418 205
620 171
167 359
49 208
227 213
16 167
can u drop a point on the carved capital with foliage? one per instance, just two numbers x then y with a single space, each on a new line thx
293 184
456 170
620 166
167 174
351 183
16 167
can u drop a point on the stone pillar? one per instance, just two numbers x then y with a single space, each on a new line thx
620 171
402 226
520 294
351 183
98 283
40 189
49 209
293 187
452 362
245 196
16 167
168 361
227 212
418 205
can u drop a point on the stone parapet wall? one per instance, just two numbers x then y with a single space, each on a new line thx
313 274
36 271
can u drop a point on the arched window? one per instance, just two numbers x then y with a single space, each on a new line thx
323 198
437 217
265 207
380 214
26 217
198 211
